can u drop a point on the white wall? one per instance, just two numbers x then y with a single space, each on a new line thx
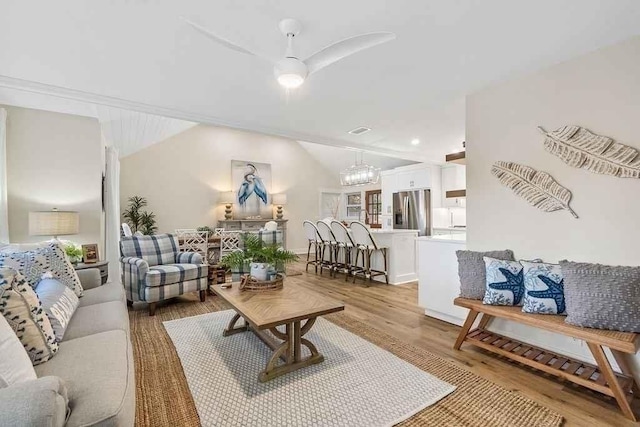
182 176
54 160
600 91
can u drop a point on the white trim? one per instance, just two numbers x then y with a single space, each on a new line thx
78 95
4 204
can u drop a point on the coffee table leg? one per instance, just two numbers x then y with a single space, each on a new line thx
233 329
291 351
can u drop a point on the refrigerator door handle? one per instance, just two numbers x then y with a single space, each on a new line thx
405 211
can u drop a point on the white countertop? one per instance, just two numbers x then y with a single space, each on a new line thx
451 228
447 238
381 231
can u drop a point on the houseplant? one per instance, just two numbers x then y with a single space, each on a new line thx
73 252
259 256
139 220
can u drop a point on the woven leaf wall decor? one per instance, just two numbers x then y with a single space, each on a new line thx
536 187
580 148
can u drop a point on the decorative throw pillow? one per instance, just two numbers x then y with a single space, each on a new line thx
505 282
33 264
472 271
59 302
602 296
19 304
15 366
544 288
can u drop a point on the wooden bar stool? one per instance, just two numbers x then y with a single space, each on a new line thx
313 236
328 244
344 248
366 247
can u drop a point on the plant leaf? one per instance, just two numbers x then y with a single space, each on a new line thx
580 148
536 187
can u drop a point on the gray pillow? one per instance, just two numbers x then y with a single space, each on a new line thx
472 271
59 303
602 296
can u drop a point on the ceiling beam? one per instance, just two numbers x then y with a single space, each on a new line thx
92 98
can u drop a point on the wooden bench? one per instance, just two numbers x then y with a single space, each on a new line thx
601 378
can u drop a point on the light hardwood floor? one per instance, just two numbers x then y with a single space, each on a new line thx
394 309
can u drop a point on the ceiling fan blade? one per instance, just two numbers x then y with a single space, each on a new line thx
222 41
344 48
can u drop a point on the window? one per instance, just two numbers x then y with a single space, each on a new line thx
373 205
354 205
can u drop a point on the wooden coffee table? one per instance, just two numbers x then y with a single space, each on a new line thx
265 311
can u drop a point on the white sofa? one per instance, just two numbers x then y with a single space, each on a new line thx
93 368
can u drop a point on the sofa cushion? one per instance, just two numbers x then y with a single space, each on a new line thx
15 365
59 302
472 271
99 374
19 304
156 249
602 296
33 264
40 402
96 318
161 275
112 291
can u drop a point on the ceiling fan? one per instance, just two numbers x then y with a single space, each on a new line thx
290 71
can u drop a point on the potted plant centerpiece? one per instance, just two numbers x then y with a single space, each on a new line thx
261 258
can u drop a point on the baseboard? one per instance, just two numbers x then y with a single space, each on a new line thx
299 251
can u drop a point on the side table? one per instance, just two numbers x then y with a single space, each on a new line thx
103 266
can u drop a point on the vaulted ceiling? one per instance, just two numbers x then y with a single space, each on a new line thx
140 53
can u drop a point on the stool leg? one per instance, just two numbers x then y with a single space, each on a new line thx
355 272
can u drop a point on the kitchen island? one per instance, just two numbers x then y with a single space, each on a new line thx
401 255
438 284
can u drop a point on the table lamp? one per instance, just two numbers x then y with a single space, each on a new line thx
226 198
279 200
53 223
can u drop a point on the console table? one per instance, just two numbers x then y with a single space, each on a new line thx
254 225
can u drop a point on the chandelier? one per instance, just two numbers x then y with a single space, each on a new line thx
359 174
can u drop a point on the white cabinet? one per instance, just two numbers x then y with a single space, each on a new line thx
453 178
388 188
438 281
413 179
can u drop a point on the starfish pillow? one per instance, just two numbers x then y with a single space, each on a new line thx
505 282
544 288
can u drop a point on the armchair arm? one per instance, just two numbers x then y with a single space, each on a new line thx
134 271
90 278
188 258
133 262
39 402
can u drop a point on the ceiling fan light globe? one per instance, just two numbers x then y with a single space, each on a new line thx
290 72
290 81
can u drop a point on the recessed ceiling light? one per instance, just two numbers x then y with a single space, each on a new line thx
359 130
415 141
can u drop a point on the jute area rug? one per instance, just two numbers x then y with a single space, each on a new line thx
358 384
163 397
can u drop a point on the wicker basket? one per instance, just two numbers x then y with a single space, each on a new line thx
249 283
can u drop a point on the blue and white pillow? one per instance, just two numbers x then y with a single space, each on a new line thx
544 288
505 282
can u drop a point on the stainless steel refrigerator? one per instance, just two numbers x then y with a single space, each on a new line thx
412 211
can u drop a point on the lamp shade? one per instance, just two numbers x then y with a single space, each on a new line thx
226 198
279 199
53 223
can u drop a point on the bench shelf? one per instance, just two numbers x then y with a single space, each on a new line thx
600 377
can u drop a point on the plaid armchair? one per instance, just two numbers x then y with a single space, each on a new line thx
154 269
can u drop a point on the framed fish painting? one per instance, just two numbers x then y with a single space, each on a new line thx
251 183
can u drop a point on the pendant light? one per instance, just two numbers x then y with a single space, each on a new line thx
359 174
